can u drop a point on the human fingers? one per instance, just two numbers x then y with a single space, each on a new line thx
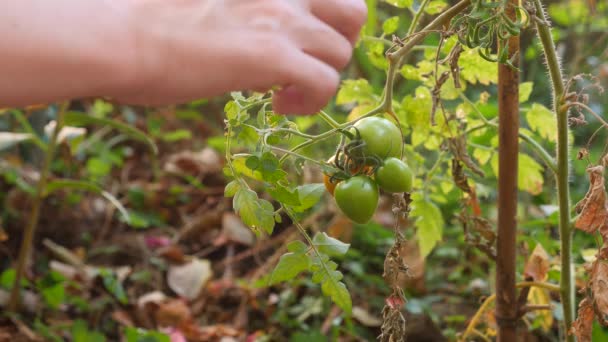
308 87
345 16
320 40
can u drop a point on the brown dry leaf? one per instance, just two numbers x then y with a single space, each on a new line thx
599 286
583 326
173 313
593 208
537 266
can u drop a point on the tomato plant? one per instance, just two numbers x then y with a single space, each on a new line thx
357 197
394 175
381 138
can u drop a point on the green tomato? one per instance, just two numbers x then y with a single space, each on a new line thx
394 176
382 137
357 197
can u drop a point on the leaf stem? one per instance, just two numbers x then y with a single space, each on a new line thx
563 193
30 230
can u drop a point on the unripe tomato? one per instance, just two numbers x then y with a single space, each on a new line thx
382 137
394 175
357 197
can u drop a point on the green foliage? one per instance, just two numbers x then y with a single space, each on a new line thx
113 285
429 224
141 335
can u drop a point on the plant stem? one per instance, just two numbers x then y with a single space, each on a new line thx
395 58
30 229
507 306
563 194
417 16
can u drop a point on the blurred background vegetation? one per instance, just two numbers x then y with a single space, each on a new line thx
184 265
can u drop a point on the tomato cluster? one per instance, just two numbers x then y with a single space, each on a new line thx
368 163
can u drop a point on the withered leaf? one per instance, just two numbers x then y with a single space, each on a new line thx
592 208
583 326
537 266
599 287
458 147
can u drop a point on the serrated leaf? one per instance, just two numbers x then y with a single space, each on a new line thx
78 119
231 188
530 175
332 287
525 89
284 195
327 245
359 91
289 266
390 25
475 69
309 195
542 121
256 213
429 224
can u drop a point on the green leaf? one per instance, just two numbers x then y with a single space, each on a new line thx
390 25
476 69
328 245
80 119
530 175
429 224
435 7
400 3
297 246
325 273
359 91
525 89
113 285
54 295
180 134
542 121
81 333
232 188
310 194
141 335
256 213
284 195
289 266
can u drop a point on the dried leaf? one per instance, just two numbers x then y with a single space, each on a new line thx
583 326
173 313
537 266
189 279
599 287
593 208
458 147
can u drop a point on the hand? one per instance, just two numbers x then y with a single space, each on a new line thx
188 49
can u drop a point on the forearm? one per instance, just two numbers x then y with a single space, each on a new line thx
62 49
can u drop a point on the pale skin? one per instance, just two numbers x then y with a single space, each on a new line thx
162 52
